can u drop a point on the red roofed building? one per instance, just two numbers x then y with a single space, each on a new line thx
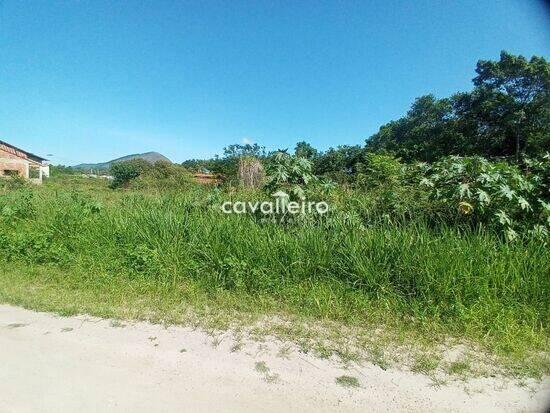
18 162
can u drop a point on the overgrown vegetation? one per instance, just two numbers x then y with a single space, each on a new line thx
465 279
457 246
506 115
138 173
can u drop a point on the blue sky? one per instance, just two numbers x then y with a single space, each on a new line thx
89 81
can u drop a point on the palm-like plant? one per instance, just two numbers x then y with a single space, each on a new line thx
289 173
494 192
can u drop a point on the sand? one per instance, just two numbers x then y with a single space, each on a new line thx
83 364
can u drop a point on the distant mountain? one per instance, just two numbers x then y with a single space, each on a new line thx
151 157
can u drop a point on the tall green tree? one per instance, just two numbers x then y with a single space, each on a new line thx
339 163
516 100
506 114
237 150
426 133
305 150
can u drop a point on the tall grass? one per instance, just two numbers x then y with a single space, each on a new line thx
468 282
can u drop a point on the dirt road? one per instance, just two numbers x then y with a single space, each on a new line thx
66 364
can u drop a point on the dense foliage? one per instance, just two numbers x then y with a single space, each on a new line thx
443 217
138 173
291 174
363 255
124 172
493 193
506 114
56 170
227 165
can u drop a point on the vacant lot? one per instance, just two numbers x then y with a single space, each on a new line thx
338 286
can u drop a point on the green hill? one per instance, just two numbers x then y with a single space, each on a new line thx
151 157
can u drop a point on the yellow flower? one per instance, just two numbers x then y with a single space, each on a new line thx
465 208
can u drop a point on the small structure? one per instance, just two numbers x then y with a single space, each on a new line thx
18 162
207 178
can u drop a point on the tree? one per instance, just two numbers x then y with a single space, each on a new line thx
305 150
426 133
124 172
507 113
62 170
517 95
237 150
339 163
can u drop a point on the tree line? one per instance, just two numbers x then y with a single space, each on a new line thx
505 115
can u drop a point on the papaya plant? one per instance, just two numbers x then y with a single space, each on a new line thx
496 193
289 173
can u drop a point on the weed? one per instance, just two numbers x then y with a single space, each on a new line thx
323 352
425 363
460 367
378 357
348 381
271 377
284 351
165 255
261 367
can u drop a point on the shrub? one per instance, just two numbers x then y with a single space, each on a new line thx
12 182
289 173
497 194
379 170
385 189
143 260
18 204
124 172
163 175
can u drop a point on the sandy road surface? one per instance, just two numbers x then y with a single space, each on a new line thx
66 364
